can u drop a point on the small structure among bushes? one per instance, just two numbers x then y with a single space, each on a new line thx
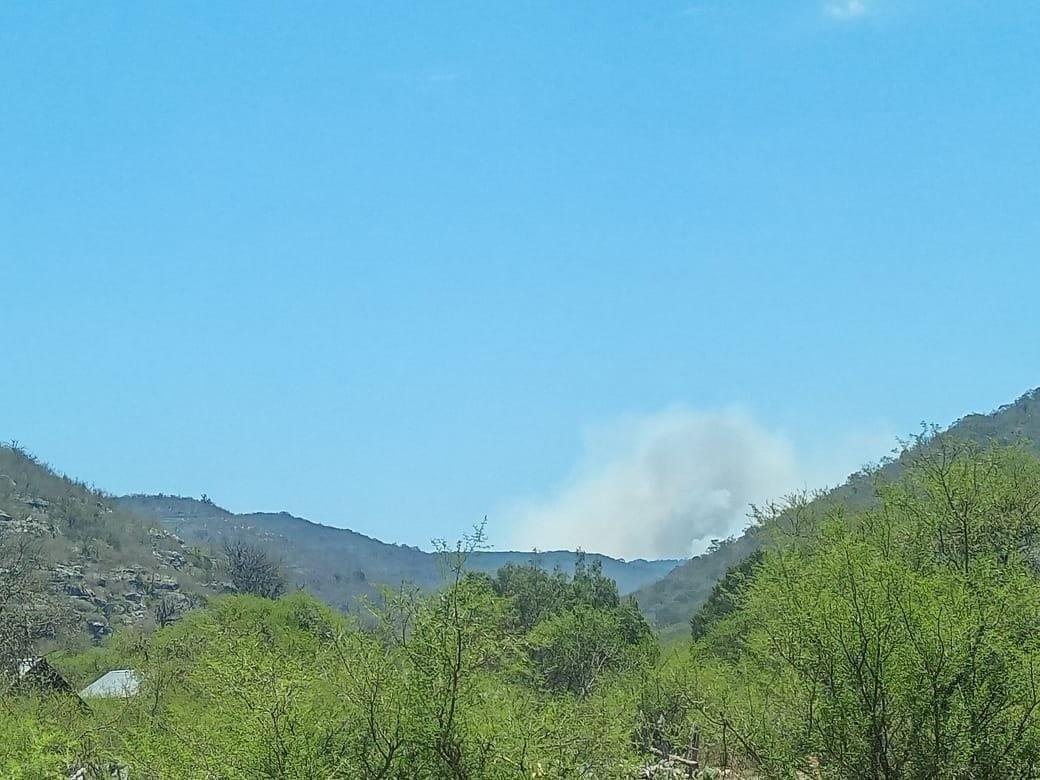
119 683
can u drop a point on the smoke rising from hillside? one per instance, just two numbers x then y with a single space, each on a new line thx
661 485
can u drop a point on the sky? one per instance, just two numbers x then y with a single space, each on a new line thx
604 272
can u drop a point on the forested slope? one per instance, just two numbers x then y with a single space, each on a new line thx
670 602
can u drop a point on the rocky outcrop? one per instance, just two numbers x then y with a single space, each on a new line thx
29 524
100 566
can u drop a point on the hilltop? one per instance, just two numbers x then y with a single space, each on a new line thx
97 564
671 601
338 564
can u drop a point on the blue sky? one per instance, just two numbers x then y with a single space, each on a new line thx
393 266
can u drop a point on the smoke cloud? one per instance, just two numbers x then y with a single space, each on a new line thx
660 486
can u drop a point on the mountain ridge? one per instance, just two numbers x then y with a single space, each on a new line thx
340 564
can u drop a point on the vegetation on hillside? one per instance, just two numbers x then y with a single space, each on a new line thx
90 565
525 674
671 602
75 565
896 640
886 635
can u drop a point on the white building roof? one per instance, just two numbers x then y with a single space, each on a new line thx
117 683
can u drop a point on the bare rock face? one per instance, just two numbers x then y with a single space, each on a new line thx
34 502
126 573
171 558
30 524
221 587
98 565
79 591
61 572
179 600
163 582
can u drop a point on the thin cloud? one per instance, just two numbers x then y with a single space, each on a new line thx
846 10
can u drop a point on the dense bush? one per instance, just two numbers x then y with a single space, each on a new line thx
457 688
900 642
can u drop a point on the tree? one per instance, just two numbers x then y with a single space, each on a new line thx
577 630
535 593
904 641
728 595
28 613
574 650
167 611
253 570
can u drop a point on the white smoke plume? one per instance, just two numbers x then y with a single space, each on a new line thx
661 486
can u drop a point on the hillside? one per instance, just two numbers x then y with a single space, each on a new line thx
98 565
338 565
670 602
